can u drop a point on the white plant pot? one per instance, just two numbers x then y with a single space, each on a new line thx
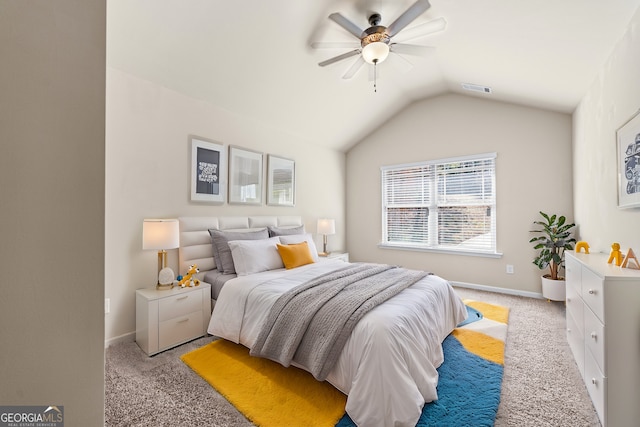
554 290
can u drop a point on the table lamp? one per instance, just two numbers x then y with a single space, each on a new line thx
326 227
161 234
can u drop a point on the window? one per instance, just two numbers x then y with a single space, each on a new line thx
446 205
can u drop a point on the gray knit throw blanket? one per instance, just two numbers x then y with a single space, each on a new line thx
310 323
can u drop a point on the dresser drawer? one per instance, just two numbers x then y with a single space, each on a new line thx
573 273
180 305
594 338
575 338
180 329
596 384
593 292
575 308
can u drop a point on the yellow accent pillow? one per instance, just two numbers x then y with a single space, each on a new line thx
295 254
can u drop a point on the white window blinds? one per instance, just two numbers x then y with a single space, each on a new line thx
446 204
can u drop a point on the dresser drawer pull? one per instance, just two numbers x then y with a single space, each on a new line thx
592 292
181 298
183 320
594 381
594 335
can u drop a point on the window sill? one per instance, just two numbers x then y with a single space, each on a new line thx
442 251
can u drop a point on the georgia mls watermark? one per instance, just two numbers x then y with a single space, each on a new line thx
31 416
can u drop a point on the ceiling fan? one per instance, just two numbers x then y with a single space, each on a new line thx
376 40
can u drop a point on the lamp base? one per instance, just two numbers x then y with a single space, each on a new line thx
324 254
161 287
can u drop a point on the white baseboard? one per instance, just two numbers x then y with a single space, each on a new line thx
130 337
498 290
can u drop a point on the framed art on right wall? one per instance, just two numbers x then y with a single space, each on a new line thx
628 158
281 181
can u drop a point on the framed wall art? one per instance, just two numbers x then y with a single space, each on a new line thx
245 176
281 181
628 158
208 171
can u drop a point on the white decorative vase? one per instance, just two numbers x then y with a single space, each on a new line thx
554 290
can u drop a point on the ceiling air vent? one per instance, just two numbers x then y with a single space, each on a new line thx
476 88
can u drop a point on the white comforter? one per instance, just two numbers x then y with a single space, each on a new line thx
388 365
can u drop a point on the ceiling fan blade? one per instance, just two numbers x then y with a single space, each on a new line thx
339 58
415 10
354 68
346 24
400 63
410 49
335 45
422 30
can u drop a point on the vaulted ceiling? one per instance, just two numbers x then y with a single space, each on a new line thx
254 57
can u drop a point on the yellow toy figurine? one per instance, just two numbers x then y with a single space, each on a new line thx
188 280
582 245
615 254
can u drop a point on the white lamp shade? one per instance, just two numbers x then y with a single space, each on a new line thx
160 234
375 52
326 226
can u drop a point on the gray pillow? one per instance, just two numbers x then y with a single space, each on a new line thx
221 251
279 231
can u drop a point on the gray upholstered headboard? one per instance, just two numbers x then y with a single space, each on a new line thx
195 241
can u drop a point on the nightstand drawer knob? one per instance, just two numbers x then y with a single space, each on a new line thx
591 291
594 381
594 335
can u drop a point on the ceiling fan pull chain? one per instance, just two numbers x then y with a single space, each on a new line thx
375 76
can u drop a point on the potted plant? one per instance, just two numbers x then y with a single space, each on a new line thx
554 237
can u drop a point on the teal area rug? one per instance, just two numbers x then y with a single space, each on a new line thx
469 385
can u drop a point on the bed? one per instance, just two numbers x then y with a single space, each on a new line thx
387 367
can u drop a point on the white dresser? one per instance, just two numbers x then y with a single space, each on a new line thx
167 318
603 331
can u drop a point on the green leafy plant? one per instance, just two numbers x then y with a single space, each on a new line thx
554 239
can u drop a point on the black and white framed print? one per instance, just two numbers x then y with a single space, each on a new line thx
245 176
281 180
208 171
628 158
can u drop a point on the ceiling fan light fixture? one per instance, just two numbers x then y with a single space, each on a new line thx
376 52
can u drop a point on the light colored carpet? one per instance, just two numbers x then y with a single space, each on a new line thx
541 384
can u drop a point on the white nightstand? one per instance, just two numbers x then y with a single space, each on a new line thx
342 256
167 318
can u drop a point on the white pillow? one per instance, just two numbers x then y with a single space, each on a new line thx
254 256
298 238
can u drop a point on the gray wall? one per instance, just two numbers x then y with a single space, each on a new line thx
533 170
52 81
148 157
612 100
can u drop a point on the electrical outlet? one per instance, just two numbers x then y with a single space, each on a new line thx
107 305
509 269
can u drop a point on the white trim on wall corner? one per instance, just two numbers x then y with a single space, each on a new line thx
130 337
498 290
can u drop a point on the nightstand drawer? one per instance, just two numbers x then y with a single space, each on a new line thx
180 329
180 305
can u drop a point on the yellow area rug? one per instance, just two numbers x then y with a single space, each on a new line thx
270 395
266 392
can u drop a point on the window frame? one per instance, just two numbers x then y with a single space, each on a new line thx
432 206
